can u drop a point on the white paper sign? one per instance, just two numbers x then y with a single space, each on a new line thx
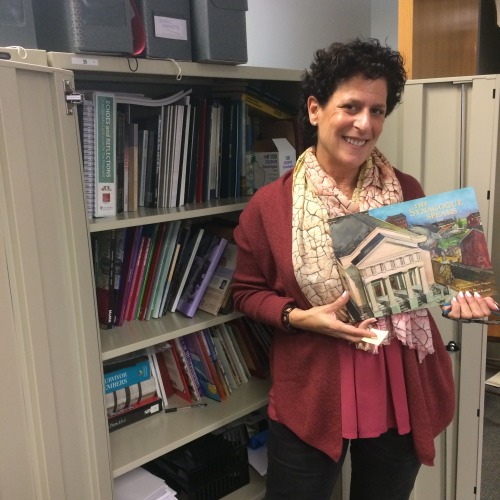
168 27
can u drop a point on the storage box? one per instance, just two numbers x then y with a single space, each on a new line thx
219 31
209 467
168 29
273 157
17 26
83 26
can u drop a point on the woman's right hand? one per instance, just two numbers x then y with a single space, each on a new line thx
325 320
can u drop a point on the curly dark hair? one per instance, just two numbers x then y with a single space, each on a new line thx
342 61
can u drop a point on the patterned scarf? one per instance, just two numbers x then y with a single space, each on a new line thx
316 198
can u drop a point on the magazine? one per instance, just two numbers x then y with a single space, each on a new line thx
412 255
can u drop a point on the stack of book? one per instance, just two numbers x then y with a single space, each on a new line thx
144 272
164 153
131 390
215 361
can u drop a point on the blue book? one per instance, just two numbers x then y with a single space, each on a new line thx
125 373
412 255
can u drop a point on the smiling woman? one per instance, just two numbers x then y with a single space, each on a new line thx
327 393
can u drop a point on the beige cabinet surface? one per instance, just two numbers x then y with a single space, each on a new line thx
52 347
450 140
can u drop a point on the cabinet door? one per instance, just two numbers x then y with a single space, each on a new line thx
47 255
450 136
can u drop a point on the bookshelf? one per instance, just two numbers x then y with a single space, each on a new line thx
48 256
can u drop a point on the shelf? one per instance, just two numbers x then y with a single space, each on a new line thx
137 67
143 441
135 335
157 215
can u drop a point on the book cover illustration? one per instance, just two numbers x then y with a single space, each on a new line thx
413 254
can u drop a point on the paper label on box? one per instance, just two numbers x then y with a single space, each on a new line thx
169 27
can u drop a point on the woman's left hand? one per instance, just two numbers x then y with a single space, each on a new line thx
469 306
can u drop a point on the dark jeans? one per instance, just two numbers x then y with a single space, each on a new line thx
383 468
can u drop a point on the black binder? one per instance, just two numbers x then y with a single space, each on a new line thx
17 26
168 29
84 26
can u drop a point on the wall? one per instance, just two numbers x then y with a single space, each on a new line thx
285 33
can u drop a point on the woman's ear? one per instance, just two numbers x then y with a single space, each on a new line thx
313 108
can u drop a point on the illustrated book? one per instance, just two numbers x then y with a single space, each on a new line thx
411 255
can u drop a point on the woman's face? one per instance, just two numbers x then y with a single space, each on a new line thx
349 124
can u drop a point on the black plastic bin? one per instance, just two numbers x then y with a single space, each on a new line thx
209 467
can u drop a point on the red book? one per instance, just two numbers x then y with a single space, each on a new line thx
176 372
129 261
129 311
152 272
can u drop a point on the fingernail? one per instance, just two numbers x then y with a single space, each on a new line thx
454 299
467 294
344 293
477 294
461 294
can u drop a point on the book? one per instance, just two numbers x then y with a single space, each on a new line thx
176 373
135 413
167 265
411 255
133 240
104 247
123 372
211 364
214 356
152 271
105 186
225 358
133 166
257 364
206 259
200 365
134 394
87 118
187 369
165 250
185 263
235 352
163 382
255 102
219 285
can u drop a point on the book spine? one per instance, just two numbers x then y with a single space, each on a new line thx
105 156
127 376
190 367
135 414
88 146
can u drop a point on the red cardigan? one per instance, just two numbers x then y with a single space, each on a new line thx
305 366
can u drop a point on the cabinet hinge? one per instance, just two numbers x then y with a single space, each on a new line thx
71 97
488 194
494 93
478 412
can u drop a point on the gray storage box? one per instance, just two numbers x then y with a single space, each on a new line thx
16 24
218 30
93 26
168 29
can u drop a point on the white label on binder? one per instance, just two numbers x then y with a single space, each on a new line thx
168 27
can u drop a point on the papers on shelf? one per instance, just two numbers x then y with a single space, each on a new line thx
494 381
139 484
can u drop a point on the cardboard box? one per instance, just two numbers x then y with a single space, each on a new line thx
273 157
219 31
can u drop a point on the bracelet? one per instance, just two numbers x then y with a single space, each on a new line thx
285 317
